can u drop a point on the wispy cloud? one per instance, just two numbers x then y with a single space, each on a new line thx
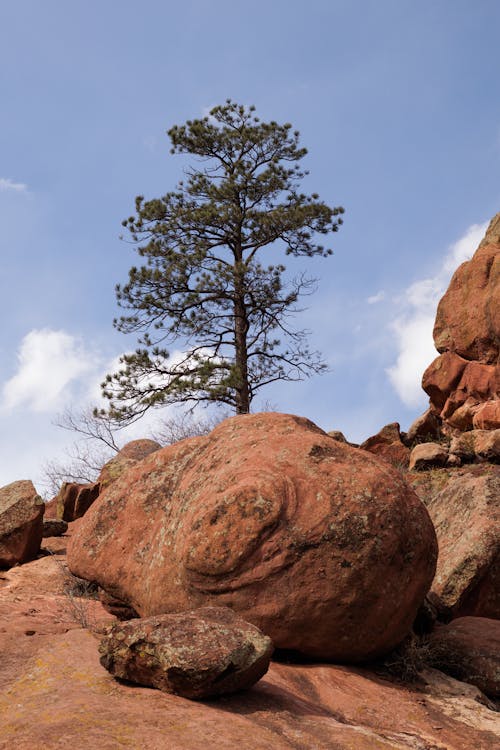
6 184
376 298
48 362
413 327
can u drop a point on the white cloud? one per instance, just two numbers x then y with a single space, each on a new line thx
376 298
8 184
48 361
413 327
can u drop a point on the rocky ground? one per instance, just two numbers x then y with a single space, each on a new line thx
55 694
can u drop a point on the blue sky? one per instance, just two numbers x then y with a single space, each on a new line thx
397 102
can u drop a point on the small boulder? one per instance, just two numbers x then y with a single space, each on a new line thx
487 417
468 648
54 527
199 654
74 499
21 523
441 378
466 516
387 444
428 456
427 426
477 445
337 435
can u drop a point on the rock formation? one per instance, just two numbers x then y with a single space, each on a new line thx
199 654
323 547
463 383
21 523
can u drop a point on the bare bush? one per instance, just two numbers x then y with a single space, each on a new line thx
414 655
98 443
184 425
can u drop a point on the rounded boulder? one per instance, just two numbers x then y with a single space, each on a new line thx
322 546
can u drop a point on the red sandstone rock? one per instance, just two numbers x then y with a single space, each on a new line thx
21 523
487 417
427 456
387 444
427 426
467 333
54 527
51 509
477 445
466 516
132 452
320 545
74 500
468 316
469 648
478 383
441 378
199 654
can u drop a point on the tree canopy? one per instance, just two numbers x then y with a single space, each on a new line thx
205 285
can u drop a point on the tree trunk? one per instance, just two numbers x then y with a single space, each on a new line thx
240 341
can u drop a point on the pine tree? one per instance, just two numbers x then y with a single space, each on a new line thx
203 284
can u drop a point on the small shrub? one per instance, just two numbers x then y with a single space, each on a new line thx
415 654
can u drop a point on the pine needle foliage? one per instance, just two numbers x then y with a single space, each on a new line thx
204 284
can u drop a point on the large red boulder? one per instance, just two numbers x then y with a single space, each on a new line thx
21 523
199 654
322 546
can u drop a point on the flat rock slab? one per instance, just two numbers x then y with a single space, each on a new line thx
55 694
63 697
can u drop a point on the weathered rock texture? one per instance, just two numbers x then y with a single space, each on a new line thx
199 654
464 505
21 523
323 547
466 375
124 459
469 648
